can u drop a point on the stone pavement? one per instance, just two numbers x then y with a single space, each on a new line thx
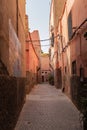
47 108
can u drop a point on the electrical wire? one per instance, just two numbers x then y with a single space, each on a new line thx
41 45
38 40
42 40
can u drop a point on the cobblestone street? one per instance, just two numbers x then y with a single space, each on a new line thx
47 108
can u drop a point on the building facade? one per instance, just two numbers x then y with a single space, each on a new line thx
33 63
12 36
71 44
55 14
36 42
45 69
64 64
37 46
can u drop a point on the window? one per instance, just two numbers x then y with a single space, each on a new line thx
74 67
70 25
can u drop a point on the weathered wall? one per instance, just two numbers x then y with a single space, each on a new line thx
75 49
37 47
63 48
79 43
71 45
21 31
32 65
12 98
30 81
45 61
9 12
45 68
16 14
33 59
78 90
55 14
58 9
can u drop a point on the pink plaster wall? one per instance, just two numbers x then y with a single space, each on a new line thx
35 37
44 62
32 60
79 44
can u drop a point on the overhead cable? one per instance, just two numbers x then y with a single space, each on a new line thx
42 40
42 45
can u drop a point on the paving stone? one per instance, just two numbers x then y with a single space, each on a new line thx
47 108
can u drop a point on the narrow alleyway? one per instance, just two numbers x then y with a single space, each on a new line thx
47 108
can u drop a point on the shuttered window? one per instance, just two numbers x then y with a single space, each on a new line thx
70 25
